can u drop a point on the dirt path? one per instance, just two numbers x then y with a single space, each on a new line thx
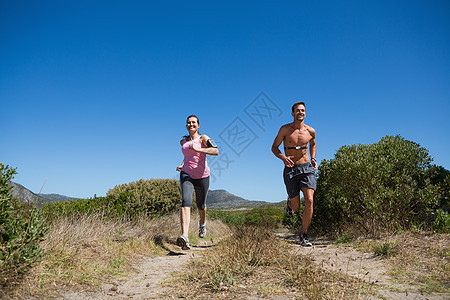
364 266
153 272
148 280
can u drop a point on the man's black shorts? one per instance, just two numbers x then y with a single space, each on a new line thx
297 177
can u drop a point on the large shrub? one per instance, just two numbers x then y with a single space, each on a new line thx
153 197
383 186
441 177
97 205
21 229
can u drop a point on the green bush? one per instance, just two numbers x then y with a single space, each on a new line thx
153 197
100 205
22 227
266 216
234 218
378 187
294 221
441 177
442 222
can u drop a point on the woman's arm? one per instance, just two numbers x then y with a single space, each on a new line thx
207 142
182 163
180 166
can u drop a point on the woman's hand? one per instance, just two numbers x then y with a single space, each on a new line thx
192 147
207 150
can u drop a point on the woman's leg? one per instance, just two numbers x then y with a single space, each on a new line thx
185 220
201 192
187 189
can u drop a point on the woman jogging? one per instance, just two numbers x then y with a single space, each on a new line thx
194 175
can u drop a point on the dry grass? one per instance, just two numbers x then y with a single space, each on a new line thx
421 259
254 263
85 251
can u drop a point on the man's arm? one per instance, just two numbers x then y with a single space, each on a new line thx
287 160
313 148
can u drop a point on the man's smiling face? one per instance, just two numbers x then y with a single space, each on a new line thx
299 112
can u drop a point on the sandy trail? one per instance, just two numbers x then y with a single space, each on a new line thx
152 272
148 280
365 266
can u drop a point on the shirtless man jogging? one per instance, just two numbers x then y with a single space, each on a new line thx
299 169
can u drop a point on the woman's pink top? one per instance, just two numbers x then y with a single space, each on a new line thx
195 164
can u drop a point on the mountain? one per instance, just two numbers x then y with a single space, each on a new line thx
222 199
57 197
27 196
218 199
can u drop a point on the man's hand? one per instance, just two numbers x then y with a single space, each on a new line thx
314 164
288 162
179 168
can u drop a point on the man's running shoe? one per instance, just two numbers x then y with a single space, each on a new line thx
289 210
183 242
201 230
304 241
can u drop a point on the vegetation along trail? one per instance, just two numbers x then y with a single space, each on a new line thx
383 233
356 260
157 277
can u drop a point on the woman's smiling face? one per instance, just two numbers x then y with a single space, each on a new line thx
192 124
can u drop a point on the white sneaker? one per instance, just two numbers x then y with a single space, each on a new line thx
183 242
201 230
304 241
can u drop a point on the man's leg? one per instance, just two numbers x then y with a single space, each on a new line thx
308 194
202 215
294 203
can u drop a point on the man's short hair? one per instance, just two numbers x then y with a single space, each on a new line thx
298 103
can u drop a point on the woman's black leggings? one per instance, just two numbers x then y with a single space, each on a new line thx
188 185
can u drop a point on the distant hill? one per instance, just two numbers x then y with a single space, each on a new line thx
57 197
27 196
222 199
218 199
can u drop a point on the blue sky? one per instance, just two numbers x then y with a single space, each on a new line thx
96 93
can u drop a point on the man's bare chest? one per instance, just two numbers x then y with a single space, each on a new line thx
298 137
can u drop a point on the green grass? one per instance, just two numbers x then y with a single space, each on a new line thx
268 215
344 239
386 249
